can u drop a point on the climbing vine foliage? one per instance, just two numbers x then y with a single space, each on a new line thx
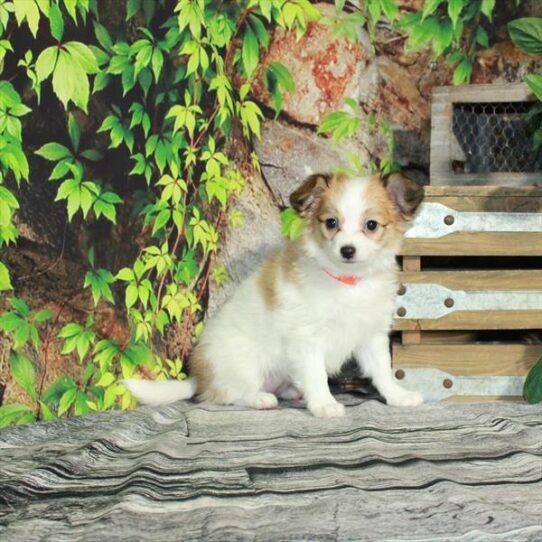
176 87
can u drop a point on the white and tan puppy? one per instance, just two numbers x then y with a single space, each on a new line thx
310 306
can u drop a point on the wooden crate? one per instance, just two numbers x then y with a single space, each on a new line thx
450 298
447 151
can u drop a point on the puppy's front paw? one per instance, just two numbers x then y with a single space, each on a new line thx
404 398
327 410
264 401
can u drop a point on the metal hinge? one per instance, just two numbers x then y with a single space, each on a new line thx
435 384
434 301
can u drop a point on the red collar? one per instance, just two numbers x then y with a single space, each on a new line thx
350 280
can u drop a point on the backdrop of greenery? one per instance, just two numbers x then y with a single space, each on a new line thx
126 135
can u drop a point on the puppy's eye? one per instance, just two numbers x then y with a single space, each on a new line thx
371 225
331 223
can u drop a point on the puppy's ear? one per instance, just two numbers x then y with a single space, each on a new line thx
304 198
405 193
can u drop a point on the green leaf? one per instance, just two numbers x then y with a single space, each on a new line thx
74 131
535 84
454 9
56 22
46 63
106 380
54 151
10 321
19 305
46 413
43 315
103 37
27 9
532 389
70 80
82 55
526 33
250 52
23 373
487 8
5 282
482 37
11 413
430 7
67 399
131 294
462 73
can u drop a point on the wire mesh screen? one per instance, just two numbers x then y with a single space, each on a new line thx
494 137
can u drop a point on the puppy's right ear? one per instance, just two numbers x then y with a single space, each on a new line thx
305 197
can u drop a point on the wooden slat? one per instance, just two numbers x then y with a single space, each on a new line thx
447 337
477 280
469 359
411 337
467 320
411 263
476 244
497 204
484 191
443 176
494 92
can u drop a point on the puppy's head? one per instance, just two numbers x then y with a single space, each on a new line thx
351 220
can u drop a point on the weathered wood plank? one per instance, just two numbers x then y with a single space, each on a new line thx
530 279
202 472
435 191
476 244
467 320
469 359
494 92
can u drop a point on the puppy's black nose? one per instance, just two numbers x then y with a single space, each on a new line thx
347 252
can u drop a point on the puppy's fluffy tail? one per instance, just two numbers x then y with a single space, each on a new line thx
153 393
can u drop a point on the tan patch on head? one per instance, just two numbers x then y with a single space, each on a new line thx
326 207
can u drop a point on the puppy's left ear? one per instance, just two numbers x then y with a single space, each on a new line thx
405 193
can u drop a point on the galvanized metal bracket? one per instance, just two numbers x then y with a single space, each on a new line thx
434 301
435 384
437 220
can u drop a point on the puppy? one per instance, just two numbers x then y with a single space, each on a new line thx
310 306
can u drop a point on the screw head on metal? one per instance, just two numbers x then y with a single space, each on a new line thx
449 220
399 374
447 383
401 311
449 302
402 290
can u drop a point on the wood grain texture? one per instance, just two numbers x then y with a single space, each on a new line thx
200 472
469 359
493 92
482 191
476 244
494 204
477 280
466 320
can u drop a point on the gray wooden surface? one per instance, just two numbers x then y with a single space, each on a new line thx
466 472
